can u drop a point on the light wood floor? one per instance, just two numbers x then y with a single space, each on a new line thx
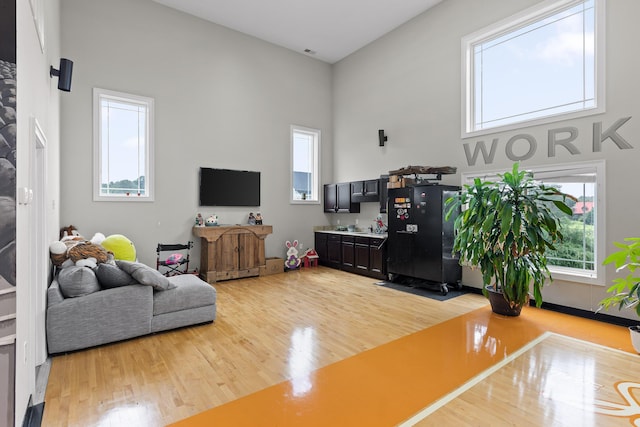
557 381
267 328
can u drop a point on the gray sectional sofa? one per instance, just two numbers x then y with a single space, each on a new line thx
117 313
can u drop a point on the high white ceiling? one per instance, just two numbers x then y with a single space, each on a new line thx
331 29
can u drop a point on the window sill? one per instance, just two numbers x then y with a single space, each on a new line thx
561 274
304 202
135 199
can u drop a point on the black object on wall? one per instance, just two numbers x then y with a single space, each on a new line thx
225 187
64 74
381 137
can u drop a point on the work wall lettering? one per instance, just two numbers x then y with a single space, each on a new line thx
560 137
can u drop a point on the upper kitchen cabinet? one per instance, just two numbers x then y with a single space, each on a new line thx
365 191
337 199
384 191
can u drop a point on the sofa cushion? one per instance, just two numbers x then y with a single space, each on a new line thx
112 276
145 275
77 281
189 292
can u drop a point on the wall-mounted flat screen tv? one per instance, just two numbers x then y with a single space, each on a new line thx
225 187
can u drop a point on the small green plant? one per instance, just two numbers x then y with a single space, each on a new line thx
505 227
625 290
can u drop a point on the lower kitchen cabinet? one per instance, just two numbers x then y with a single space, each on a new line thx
348 255
378 257
334 251
361 252
321 246
362 255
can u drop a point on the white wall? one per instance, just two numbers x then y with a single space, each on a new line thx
408 83
38 98
222 99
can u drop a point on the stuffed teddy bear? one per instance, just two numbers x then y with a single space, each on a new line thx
73 249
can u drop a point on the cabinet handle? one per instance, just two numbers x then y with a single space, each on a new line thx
381 244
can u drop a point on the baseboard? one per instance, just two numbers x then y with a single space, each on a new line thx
33 416
587 314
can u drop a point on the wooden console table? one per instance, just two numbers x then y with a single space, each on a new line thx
231 251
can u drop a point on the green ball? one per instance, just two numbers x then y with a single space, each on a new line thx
121 247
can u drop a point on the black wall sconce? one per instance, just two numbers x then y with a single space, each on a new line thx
381 137
63 74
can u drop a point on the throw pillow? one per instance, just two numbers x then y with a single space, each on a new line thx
77 281
146 275
111 276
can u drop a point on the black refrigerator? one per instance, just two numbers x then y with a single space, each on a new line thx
420 240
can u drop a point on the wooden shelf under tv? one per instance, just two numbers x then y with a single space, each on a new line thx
231 251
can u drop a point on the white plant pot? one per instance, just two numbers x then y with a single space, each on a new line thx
635 337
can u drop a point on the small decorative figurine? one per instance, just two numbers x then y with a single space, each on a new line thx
292 262
252 219
380 226
199 220
211 221
258 218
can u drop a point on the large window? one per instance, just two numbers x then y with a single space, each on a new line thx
123 146
542 65
305 148
579 256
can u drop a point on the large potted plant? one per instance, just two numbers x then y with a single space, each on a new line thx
625 291
505 228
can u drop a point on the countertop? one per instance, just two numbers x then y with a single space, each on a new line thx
355 233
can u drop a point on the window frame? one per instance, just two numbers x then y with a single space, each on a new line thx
513 23
569 274
98 95
317 137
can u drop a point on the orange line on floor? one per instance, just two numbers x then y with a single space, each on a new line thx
388 384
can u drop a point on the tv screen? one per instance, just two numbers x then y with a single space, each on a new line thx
225 187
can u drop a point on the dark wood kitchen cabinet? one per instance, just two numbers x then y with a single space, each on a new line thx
321 246
362 258
365 191
348 253
334 251
364 255
378 257
384 193
337 199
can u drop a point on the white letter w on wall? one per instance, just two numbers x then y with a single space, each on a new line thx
480 147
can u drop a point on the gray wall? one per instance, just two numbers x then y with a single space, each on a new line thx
409 83
222 99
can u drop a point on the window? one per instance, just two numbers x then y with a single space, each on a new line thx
544 64
579 256
123 146
305 148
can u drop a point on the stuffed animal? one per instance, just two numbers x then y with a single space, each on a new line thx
70 231
120 246
292 262
73 249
